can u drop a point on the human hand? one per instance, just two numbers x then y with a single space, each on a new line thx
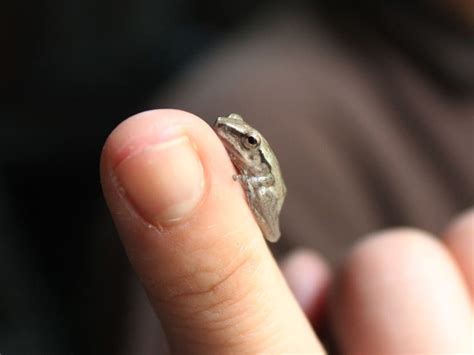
193 241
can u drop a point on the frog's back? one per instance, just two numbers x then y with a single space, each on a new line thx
279 185
270 200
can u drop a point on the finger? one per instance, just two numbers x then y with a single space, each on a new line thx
193 241
459 238
307 275
400 292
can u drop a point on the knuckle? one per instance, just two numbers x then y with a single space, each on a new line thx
403 246
211 289
402 238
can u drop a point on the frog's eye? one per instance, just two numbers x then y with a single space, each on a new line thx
251 140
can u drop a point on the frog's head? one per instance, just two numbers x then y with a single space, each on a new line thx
241 140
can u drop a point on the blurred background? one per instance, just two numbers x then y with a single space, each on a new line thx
369 104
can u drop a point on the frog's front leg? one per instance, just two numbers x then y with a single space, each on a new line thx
256 181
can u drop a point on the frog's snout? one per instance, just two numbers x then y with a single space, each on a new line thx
219 122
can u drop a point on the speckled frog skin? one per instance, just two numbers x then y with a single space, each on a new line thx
258 171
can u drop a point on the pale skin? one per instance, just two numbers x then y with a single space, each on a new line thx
192 240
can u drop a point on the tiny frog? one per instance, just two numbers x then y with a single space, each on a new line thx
258 171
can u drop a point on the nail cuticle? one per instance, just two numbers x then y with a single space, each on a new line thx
164 183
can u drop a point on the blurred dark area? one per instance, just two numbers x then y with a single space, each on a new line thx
70 71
